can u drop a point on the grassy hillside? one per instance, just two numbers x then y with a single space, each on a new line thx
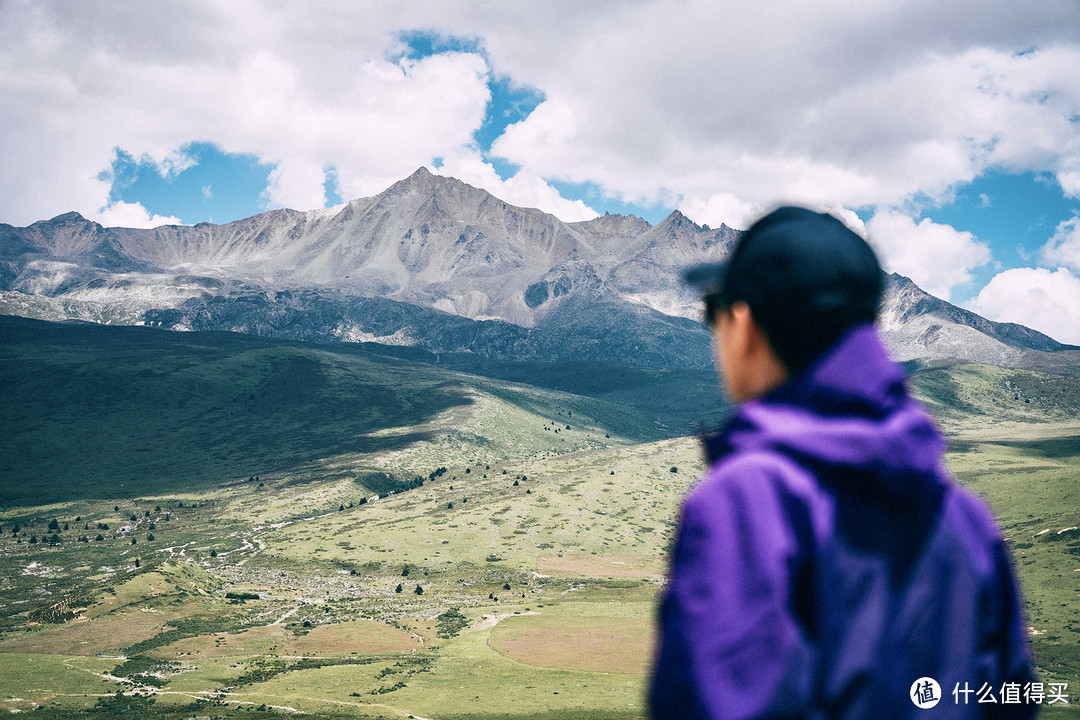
93 411
519 580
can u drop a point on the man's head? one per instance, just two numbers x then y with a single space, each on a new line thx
802 278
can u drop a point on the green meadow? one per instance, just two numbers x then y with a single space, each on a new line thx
251 528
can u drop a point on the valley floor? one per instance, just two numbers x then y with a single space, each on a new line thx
342 533
519 590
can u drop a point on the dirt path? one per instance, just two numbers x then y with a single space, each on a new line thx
491 621
286 616
233 698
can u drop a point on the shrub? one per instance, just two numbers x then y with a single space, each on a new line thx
451 623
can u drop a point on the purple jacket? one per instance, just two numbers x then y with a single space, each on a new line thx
826 562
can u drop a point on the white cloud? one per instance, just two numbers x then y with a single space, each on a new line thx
1048 301
174 163
293 89
523 189
936 257
844 106
737 213
130 215
1063 249
857 107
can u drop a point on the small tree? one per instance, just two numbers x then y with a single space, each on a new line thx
100 537
419 590
405 571
398 589
213 553
137 563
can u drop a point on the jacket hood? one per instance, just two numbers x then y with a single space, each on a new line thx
849 417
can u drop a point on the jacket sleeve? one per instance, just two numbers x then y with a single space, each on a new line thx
730 643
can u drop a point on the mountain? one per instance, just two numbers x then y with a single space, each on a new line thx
435 262
921 327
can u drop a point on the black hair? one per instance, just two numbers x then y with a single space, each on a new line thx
799 338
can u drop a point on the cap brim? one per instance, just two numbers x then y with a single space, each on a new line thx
707 279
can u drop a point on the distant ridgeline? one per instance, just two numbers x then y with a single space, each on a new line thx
438 264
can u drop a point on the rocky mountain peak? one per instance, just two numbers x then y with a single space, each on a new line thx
65 220
438 244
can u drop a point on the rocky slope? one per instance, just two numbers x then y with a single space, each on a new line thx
435 262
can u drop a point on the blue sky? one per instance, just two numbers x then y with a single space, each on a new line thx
950 135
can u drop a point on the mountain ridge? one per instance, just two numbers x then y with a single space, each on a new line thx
434 243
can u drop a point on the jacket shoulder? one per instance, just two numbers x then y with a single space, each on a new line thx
754 473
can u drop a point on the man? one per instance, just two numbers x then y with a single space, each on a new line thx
826 566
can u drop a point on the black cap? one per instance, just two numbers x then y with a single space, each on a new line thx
803 274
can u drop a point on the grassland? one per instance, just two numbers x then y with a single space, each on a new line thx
518 580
